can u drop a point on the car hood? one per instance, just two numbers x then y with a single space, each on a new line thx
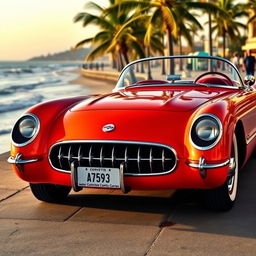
166 100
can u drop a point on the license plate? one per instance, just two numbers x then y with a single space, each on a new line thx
98 177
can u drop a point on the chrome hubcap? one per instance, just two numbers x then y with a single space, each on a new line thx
232 170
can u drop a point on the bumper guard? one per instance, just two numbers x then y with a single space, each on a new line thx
19 162
202 166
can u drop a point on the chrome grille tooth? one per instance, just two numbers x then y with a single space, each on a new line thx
101 156
163 159
69 156
79 155
60 157
113 156
138 159
90 156
151 160
126 156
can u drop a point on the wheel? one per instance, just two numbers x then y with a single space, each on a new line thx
223 197
49 192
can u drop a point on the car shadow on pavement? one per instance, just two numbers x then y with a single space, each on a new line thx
121 202
239 221
123 209
182 211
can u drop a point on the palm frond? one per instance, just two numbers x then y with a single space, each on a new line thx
83 42
102 36
190 17
93 5
148 34
127 6
208 7
185 32
157 45
97 52
252 18
138 49
169 19
125 25
88 18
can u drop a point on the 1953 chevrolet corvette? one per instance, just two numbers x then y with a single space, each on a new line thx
192 127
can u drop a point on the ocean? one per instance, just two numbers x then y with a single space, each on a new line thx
24 84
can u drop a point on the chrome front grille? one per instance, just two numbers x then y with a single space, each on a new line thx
139 158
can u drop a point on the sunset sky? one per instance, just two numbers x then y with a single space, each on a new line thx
30 28
34 27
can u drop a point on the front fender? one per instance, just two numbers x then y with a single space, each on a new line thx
48 113
221 151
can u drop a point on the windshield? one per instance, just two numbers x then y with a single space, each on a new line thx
181 70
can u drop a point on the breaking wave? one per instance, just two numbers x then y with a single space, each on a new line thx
17 104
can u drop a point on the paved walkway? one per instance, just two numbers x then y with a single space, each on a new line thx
95 222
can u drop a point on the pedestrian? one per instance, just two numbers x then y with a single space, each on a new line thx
235 60
249 63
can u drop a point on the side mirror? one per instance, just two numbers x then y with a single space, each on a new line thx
249 80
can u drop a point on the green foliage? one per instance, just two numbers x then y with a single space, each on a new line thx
227 26
129 27
237 47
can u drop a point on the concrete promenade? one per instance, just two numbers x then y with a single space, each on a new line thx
95 222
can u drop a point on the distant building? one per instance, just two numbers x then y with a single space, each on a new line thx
251 41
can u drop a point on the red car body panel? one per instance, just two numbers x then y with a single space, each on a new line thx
145 114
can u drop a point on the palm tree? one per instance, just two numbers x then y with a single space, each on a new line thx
187 28
250 8
209 27
228 26
164 15
116 34
152 46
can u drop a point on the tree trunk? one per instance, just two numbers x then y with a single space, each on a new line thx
137 68
210 34
170 48
224 48
126 58
114 62
210 39
224 44
121 62
142 67
124 50
149 65
118 64
163 67
181 62
163 63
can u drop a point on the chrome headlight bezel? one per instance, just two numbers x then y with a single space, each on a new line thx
202 144
17 137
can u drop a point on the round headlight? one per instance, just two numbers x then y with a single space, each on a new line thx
25 130
27 127
206 131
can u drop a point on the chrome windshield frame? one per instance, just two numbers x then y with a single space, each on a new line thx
182 57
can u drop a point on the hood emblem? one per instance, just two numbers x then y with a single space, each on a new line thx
108 128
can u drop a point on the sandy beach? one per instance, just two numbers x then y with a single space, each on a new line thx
96 86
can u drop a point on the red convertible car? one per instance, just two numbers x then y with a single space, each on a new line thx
180 122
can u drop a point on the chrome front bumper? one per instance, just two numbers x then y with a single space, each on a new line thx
18 161
203 166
